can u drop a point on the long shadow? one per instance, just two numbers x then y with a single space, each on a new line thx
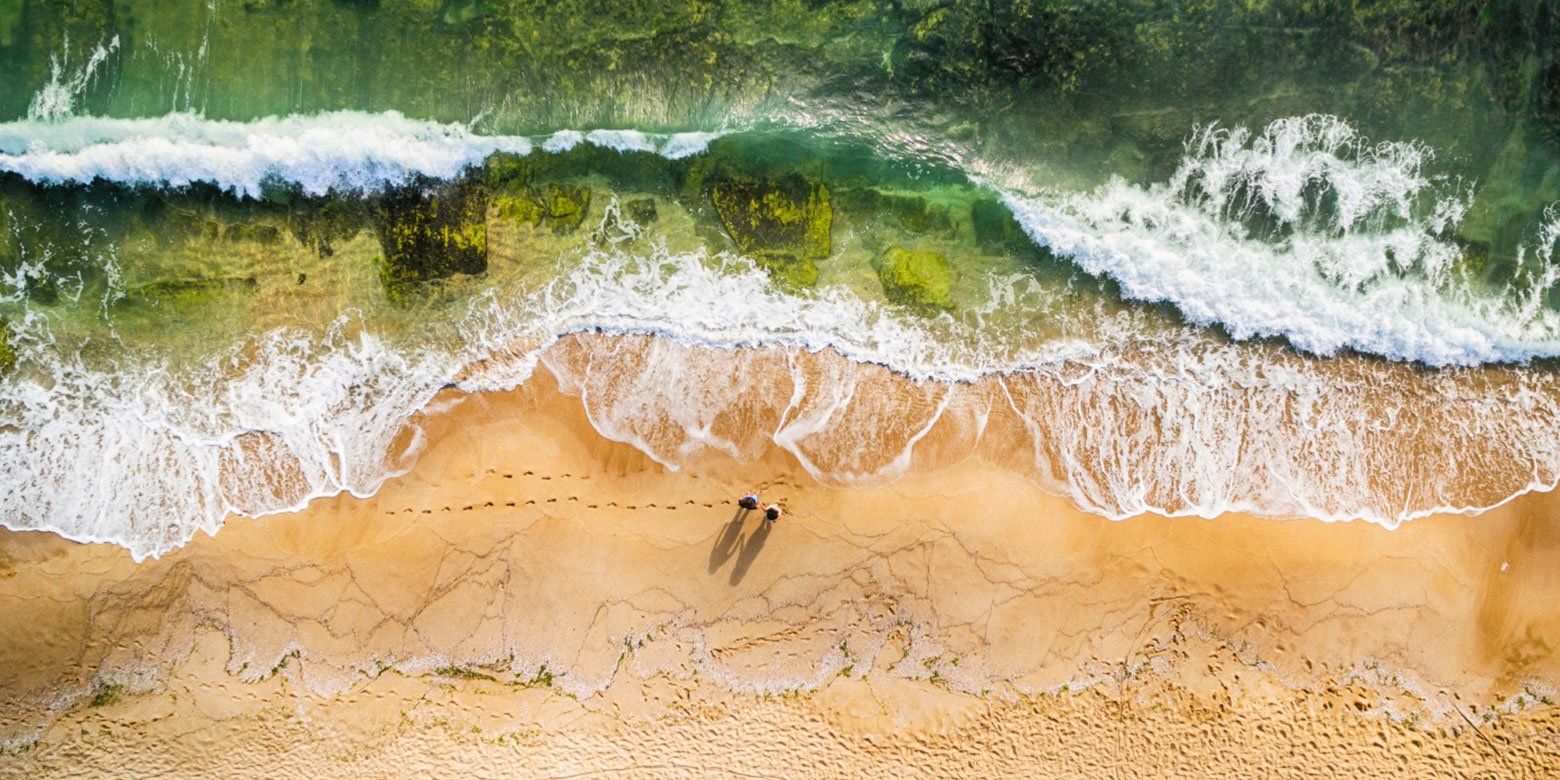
726 544
750 549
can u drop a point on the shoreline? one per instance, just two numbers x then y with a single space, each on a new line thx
605 587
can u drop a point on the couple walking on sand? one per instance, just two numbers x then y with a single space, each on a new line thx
749 502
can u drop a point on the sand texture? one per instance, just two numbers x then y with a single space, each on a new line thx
533 599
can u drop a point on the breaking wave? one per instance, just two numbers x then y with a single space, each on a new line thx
340 151
1307 232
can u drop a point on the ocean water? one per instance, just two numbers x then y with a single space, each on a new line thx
1108 246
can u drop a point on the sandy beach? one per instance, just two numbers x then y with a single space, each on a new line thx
532 599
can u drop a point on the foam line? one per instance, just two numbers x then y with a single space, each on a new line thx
341 151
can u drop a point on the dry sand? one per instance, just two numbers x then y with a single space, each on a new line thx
534 600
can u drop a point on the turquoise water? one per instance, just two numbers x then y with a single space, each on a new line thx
241 242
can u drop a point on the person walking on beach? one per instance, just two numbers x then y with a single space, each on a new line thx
748 502
772 513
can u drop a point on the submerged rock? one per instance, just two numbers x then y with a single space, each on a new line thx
252 232
922 280
562 207
186 294
783 224
321 223
7 352
913 213
789 215
431 235
1547 102
457 12
641 211
995 226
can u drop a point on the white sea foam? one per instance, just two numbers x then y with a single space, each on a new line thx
337 151
144 458
57 99
1357 256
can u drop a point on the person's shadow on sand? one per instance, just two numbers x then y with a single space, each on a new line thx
755 543
726 543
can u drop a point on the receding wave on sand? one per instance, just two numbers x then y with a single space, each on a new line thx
528 568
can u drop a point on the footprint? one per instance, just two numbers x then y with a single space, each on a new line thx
546 478
612 503
574 498
530 474
509 503
552 500
466 508
427 511
592 506
446 509
530 501
509 476
490 503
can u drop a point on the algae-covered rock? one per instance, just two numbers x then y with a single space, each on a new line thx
252 232
922 280
7 352
431 235
503 169
321 223
457 12
564 207
995 226
641 211
789 271
914 213
1547 102
561 207
783 224
188 293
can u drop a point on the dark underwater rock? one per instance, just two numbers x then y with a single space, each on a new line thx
457 12
7 352
321 223
562 207
783 224
996 228
431 235
790 215
913 213
641 211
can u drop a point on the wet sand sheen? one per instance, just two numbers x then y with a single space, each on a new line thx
531 581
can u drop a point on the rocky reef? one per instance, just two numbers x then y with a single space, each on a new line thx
322 223
921 280
783 224
7 352
431 233
560 207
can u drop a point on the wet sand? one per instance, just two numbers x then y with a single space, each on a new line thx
533 599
